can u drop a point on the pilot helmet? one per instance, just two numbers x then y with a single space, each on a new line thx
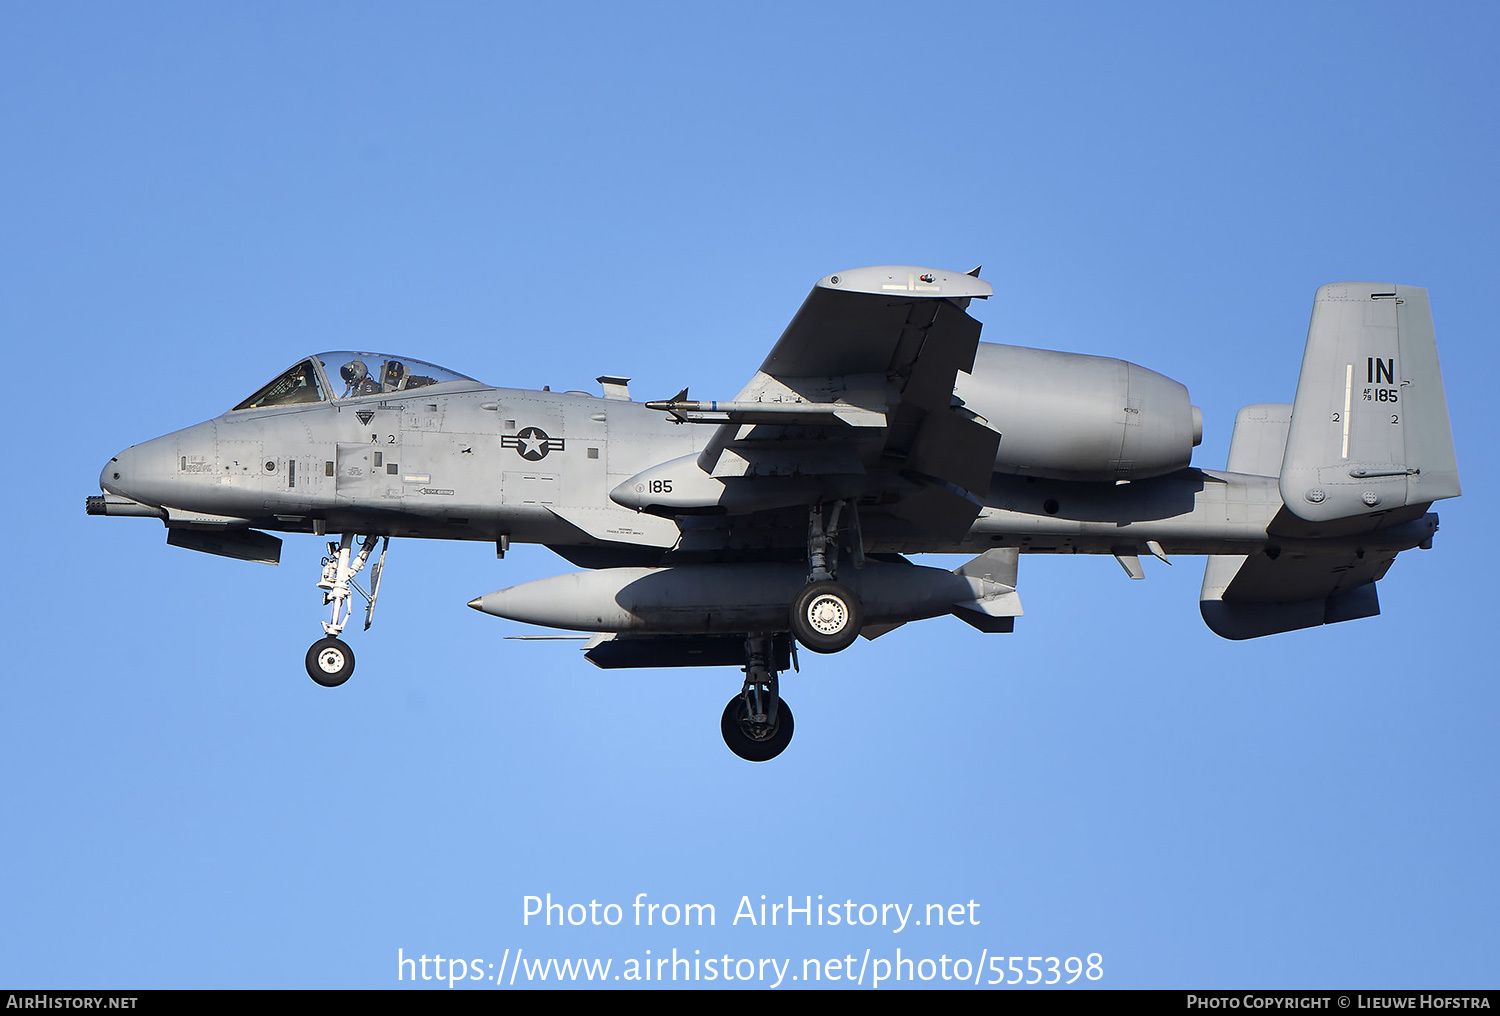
354 372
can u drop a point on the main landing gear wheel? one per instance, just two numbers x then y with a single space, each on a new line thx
330 662
826 617
752 741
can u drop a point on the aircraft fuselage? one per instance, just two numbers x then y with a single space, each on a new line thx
487 463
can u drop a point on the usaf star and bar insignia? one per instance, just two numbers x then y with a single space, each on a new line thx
532 443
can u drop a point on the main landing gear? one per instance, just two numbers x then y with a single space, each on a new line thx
330 661
757 725
826 615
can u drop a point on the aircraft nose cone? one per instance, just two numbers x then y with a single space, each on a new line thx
113 477
143 472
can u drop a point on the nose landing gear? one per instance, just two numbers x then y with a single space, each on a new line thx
330 661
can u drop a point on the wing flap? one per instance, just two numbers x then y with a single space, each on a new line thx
943 512
932 352
954 450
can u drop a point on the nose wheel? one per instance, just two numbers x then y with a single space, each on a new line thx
330 662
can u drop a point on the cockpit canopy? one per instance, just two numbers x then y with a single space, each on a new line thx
349 375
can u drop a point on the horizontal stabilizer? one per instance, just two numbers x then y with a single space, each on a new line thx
1247 597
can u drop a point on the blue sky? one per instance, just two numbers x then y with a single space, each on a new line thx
195 196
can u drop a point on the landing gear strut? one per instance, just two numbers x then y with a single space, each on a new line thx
757 725
330 661
826 615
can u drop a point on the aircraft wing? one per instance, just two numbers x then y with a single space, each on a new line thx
860 386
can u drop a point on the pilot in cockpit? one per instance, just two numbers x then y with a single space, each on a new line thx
357 379
390 376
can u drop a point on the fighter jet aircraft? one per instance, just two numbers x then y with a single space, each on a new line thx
879 427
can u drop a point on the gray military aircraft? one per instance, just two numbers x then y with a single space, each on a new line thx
727 533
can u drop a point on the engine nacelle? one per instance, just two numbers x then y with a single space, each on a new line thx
1070 416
